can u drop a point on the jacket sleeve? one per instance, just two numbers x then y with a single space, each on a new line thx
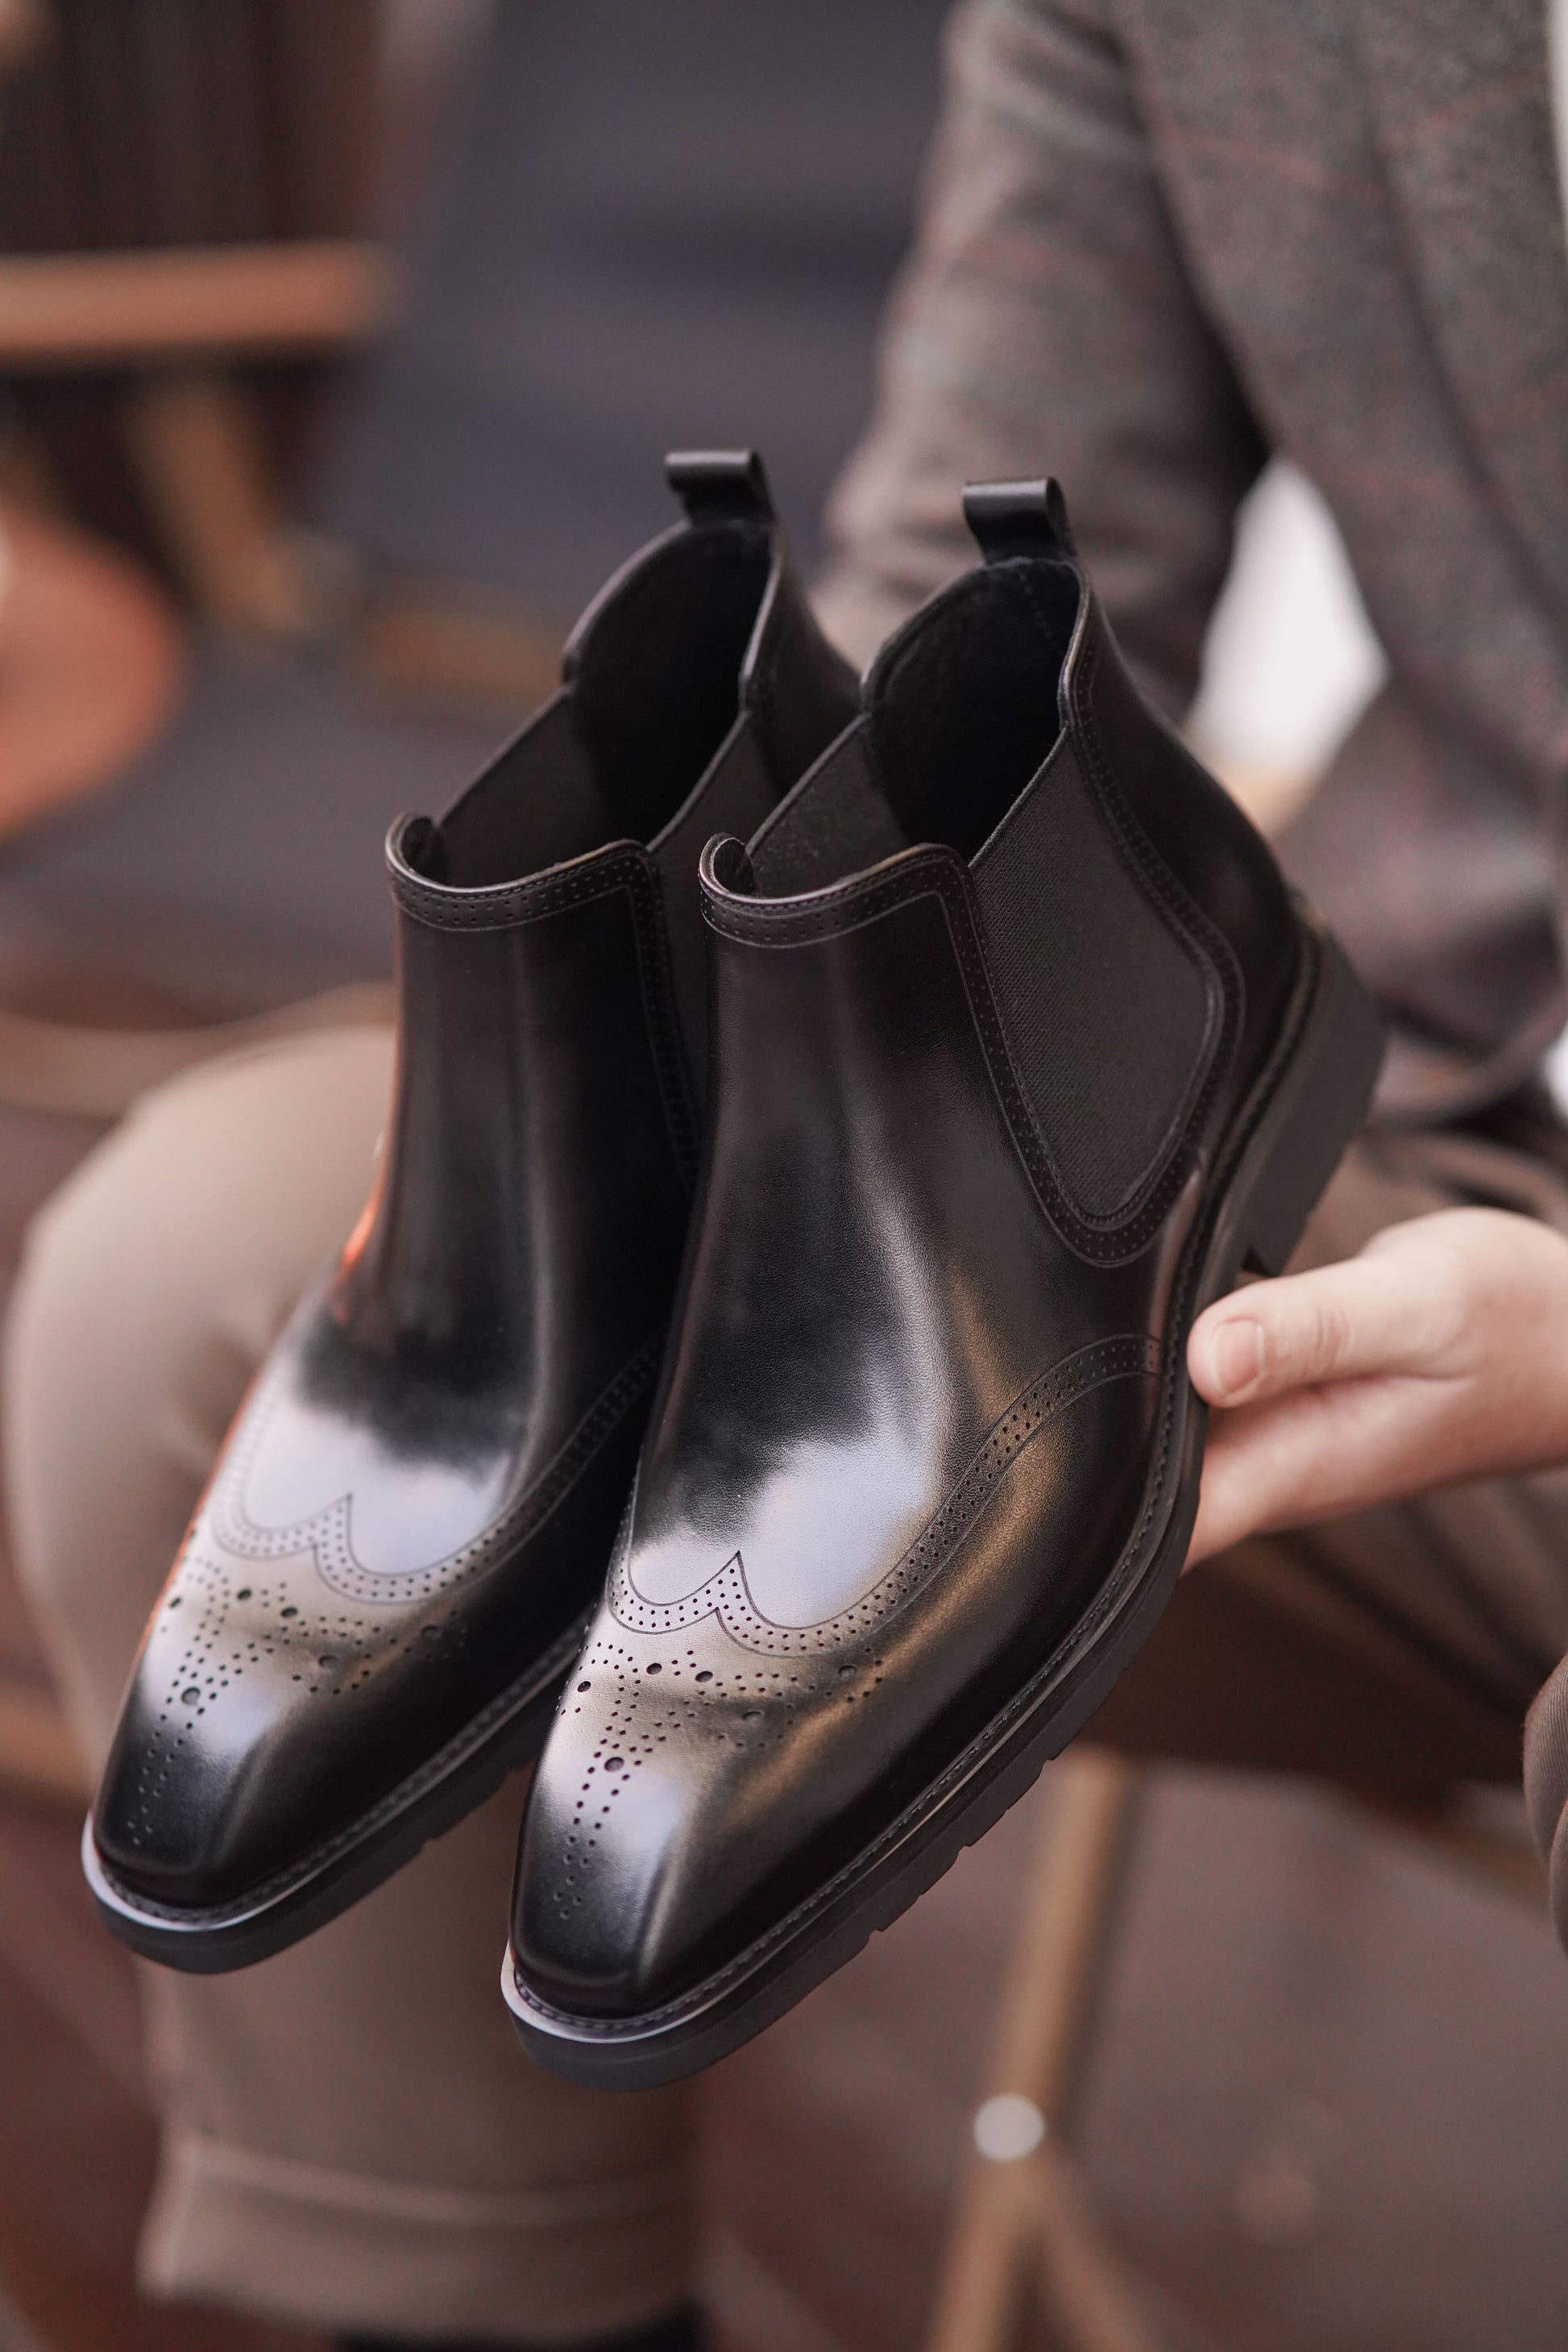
1546 1786
1045 324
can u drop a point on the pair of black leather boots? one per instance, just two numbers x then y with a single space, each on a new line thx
765 1345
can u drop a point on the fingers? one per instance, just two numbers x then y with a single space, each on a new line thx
1316 1455
1389 1312
1436 1357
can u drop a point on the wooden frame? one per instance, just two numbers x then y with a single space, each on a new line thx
65 311
1026 2235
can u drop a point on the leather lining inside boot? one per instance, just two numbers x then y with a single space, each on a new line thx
962 713
962 705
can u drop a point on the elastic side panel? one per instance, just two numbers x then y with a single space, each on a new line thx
1113 1016
800 692
1197 829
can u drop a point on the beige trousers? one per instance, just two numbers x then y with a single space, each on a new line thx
352 2136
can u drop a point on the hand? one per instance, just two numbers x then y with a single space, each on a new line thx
1437 1355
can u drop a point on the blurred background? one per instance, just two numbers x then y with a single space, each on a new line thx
339 343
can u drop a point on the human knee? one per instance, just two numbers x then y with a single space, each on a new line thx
150 1285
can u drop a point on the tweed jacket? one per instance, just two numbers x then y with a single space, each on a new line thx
1160 238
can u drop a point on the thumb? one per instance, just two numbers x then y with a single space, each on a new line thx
1338 1322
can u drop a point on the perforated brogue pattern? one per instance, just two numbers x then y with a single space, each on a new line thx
727 1595
327 1534
640 1701
227 1628
228 1616
330 1654
636 1702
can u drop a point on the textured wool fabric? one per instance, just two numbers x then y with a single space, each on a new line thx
1164 236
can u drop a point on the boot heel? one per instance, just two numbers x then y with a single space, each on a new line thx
1317 1108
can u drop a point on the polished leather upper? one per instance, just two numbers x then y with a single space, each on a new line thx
419 1496
908 1417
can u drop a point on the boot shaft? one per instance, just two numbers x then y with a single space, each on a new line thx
1130 944
551 991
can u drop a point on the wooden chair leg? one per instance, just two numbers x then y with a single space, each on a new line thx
1079 2281
196 442
1023 2232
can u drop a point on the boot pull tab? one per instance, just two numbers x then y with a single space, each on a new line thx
1011 518
720 485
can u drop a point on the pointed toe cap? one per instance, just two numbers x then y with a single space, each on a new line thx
186 1814
609 1917
638 1872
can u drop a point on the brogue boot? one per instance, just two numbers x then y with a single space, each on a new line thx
1022 1052
393 1564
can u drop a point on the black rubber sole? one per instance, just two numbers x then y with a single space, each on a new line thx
509 1733
1288 1141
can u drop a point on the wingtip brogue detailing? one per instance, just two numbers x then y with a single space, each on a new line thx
728 1597
233 1623
541 1675
326 1534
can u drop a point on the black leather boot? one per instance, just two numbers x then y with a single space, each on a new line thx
391 1569
1022 1052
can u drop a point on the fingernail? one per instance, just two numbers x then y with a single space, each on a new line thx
1237 1357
